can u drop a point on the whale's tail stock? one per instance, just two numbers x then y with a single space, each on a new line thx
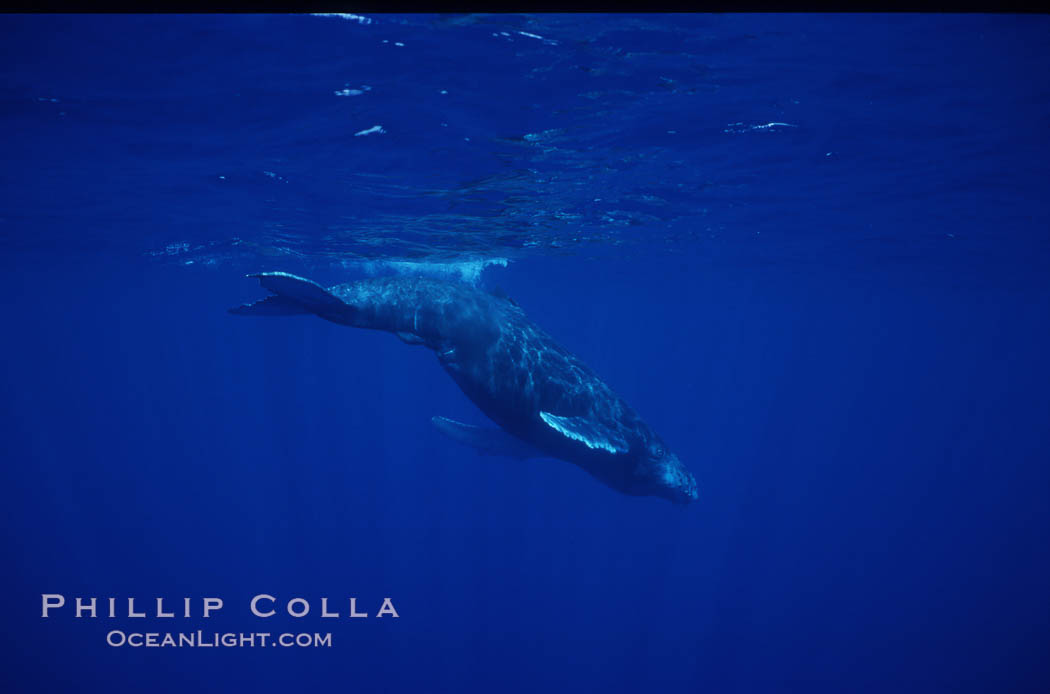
291 296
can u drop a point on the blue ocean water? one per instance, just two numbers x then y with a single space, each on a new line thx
811 251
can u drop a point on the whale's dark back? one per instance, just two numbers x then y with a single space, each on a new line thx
516 373
504 362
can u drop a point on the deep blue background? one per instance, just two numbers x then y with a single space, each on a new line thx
839 324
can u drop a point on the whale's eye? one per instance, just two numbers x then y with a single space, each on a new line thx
656 450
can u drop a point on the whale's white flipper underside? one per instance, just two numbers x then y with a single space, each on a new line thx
587 431
487 440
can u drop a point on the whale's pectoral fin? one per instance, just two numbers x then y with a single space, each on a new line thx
410 338
487 440
593 434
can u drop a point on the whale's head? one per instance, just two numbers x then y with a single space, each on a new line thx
671 479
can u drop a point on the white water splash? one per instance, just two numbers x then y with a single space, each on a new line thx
360 19
767 127
466 271
549 42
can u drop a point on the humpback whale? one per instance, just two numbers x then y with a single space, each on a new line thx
545 400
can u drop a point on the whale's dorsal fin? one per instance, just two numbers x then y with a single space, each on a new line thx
487 440
593 434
